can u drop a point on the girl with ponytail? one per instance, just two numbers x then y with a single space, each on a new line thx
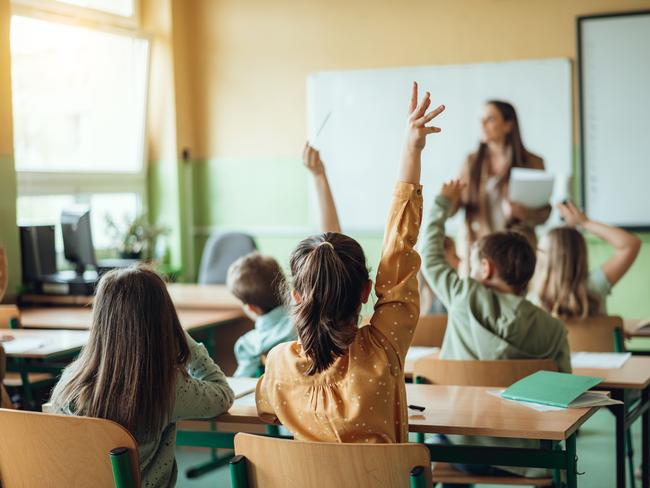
340 382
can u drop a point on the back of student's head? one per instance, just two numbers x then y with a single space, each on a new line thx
511 255
127 371
562 272
329 274
258 280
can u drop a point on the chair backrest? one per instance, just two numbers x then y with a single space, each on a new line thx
7 314
472 372
430 331
596 334
283 462
40 449
219 253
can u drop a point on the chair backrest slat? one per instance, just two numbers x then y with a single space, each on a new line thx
39 449
479 373
595 334
282 462
430 331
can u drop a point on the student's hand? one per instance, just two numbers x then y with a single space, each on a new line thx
418 131
572 215
311 160
452 191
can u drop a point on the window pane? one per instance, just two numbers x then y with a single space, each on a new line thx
118 7
78 98
46 210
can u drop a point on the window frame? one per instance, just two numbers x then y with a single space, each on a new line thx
76 183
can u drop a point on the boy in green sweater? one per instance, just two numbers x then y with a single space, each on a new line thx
488 315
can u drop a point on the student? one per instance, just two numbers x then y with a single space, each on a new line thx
563 285
141 370
259 283
429 303
488 315
339 382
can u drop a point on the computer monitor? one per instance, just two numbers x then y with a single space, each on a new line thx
77 238
38 254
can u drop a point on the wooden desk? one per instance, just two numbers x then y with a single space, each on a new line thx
79 318
55 342
184 295
625 384
464 410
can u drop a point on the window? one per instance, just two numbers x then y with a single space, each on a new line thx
78 98
79 106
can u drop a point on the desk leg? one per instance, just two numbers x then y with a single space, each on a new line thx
572 464
645 440
619 415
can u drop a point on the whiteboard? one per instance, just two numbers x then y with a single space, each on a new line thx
362 139
615 117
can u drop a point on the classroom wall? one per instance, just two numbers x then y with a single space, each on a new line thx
248 69
8 230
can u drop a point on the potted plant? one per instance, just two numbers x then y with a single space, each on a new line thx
135 239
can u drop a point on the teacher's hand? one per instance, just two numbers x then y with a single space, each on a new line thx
513 210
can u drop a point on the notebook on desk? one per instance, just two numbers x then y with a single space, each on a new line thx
551 388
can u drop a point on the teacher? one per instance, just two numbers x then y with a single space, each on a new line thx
487 174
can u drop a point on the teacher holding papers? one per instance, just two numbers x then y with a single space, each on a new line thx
486 174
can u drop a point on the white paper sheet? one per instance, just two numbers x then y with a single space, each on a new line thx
242 386
23 344
599 360
587 399
417 352
531 187
535 406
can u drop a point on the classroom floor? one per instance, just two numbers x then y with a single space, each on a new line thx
595 452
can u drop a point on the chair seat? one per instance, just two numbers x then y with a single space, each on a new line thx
445 473
14 380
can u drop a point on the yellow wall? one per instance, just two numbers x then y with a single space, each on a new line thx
8 232
251 58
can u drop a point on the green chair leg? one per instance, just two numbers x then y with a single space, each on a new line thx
121 465
557 474
630 457
417 478
619 344
238 472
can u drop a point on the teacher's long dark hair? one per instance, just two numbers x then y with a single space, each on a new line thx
519 158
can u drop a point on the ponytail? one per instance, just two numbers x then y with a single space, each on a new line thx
329 272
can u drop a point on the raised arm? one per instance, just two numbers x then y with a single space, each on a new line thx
441 277
626 245
398 305
329 219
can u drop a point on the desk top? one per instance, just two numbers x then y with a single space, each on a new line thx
463 410
79 318
46 343
184 295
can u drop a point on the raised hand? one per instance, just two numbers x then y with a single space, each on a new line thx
572 215
312 161
452 190
418 118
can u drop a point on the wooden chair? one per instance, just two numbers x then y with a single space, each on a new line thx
499 373
265 461
27 382
430 331
38 449
5 400
478 373
596 334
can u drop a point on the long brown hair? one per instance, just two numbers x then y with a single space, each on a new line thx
562 281
127 371
519 158
329 272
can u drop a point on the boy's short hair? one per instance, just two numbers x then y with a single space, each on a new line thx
512 255
258 280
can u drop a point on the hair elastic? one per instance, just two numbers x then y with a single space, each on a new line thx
326 243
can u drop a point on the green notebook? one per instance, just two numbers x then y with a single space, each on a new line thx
550 388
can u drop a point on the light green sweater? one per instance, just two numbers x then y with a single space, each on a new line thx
485 324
